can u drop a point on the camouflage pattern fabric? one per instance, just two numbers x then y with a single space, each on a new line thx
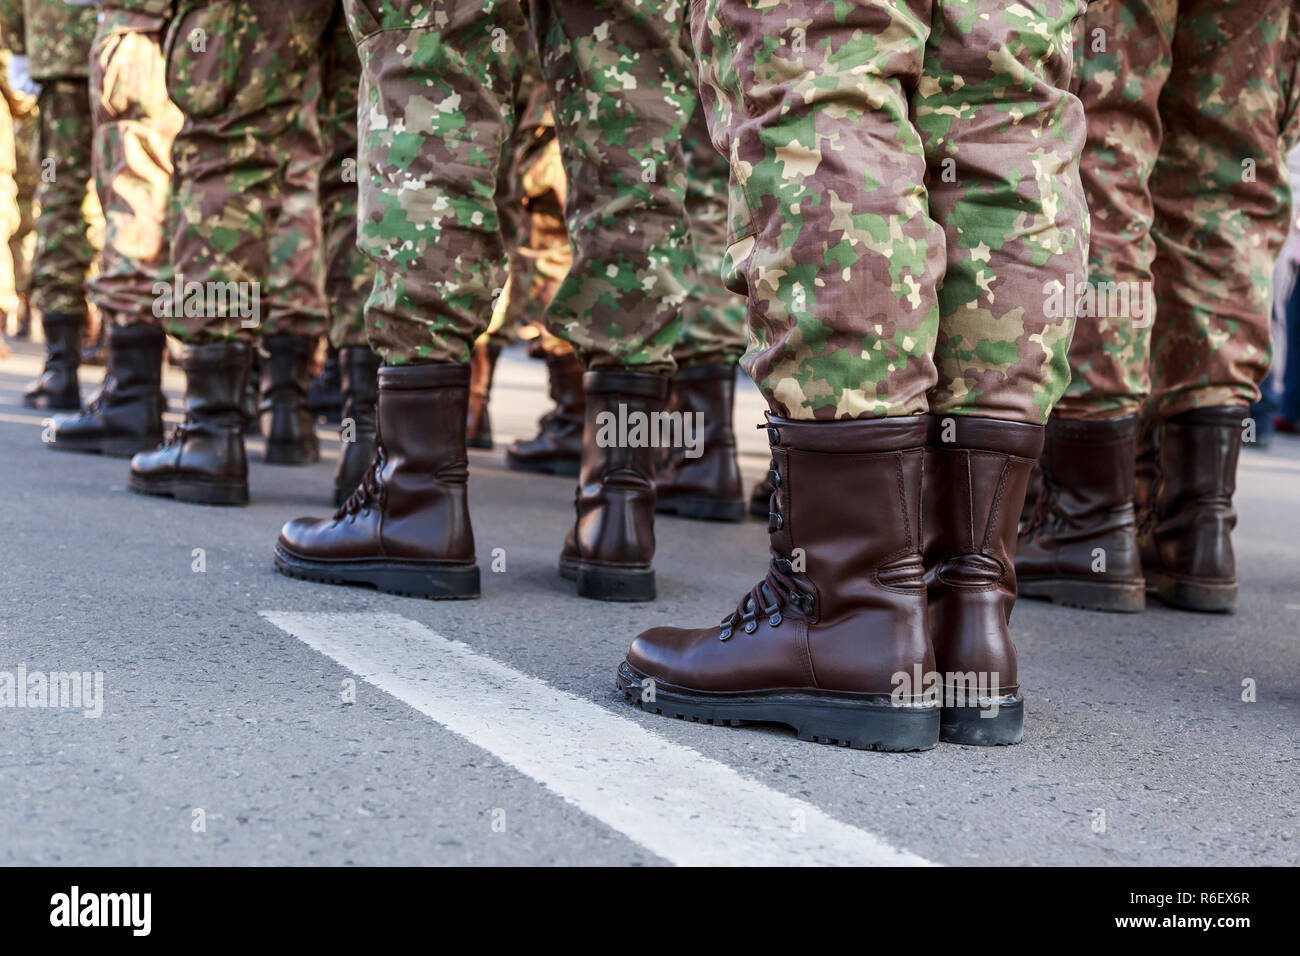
242 74
55 36
1191 108
623 90
348 273
713 319
905 196
438 107
25 128
294 292
65 249
134 126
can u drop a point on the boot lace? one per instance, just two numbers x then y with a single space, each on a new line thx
780 588
371 492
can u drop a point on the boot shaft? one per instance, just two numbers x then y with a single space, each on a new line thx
135 356
848 505
424 468
1089 466
216 375
359 374
623 429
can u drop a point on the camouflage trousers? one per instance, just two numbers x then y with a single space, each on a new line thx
1192 106
252 170
905 196
22 243
134 125
623 93
65 250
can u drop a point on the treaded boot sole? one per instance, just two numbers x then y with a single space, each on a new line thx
117 447
480 442
1189 594
600 582
564 466
291 453
1120 597
437 582
858 723
702 508
189 489
977 726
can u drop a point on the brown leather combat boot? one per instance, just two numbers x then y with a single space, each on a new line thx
57 387
406 529
482 369
203 461
1186 528
976 472
702 481
833 641
557 449
1079 547
287 422
125 417
359 385
610 548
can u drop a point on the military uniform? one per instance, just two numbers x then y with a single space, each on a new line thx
1191 108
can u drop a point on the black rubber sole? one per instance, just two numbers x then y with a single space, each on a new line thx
291 453
1189 595
839 720
603 583
1125 597
702 508
984 726
195 491
109 447
436 582
481 444
564 467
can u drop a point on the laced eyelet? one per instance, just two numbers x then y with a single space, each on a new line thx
774 477
775 522
751 627
775 620
726 633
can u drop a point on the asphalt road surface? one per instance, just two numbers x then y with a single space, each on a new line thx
248 718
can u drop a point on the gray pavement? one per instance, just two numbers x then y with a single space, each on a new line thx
1139 748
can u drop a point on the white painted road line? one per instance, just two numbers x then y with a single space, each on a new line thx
672 800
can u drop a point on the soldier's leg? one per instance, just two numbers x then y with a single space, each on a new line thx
295 316
348 273
1002 136
1079 546
22 243
623 91
428 220
239 71
1231 111
832 241
134 125
704 481
64 252
539 265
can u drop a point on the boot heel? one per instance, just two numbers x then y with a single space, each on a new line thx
1117 597
1194 596
895 730
615 584
982 726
